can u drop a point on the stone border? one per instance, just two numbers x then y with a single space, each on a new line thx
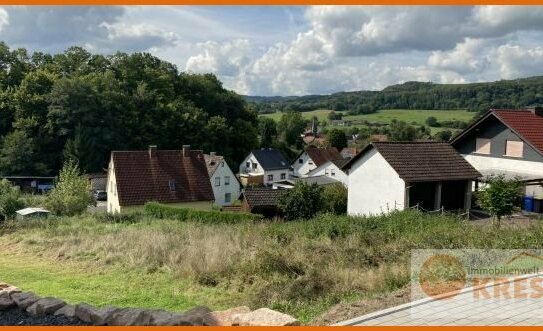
12 297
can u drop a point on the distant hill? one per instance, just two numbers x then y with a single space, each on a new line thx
415 95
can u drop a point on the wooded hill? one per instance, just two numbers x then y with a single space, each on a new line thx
415 95
78 105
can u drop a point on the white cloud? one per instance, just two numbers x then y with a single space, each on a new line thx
226 59
514 61
4 18
465 58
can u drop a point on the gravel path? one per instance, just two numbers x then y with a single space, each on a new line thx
16 316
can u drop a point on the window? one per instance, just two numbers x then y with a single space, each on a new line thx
247 164
226 180
310 162
514 148
283 176
326 172
482 146
270 177
332 172
171 184
217 181
222 164
255 165
300 161
227 197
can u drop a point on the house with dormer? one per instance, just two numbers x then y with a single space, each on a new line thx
506 142
263 167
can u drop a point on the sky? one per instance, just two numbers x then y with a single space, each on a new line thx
275 50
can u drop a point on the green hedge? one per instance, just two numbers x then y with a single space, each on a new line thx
186 214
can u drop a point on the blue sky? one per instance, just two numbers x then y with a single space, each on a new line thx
278 50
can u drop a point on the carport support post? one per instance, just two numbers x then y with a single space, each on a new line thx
438 196
467 202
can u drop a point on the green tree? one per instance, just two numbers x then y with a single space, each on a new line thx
267 128
337 139
432 121
500 197
18 156
10 199
444 135
72 194
334 199
303 201
291 126
401 131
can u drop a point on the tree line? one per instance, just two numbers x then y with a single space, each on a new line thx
477 97
80 106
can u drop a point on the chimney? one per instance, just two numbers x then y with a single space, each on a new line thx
212 153
152 151
186 150
538 110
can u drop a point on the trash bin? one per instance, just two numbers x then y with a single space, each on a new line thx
528 204
538 205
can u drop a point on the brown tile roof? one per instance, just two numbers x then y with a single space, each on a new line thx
423 161
323 155
262 197
142 178
212 162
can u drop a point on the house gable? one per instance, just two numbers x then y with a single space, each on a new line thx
498 133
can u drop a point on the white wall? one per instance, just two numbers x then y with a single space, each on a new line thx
276 175
482 163
113 206
252 159
260 171
374 186
301 169
327 169
222 171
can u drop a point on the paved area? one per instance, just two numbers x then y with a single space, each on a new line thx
470 307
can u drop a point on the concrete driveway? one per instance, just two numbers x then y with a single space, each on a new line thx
493 304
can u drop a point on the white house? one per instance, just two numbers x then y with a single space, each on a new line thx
390 176
226 186
506 142
312 158
332 169
264 166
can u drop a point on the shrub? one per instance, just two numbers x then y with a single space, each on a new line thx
303 201
72 195
500 197
335 199
10 199
187 214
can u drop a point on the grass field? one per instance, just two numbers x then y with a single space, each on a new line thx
302 267
386 116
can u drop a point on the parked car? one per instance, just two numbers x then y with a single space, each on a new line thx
100 195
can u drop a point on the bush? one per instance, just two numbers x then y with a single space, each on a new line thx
72 195
186 214
334 198
303 201
500 197
10 199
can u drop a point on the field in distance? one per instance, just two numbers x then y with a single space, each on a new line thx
411 116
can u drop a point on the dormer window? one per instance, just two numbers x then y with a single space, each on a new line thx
171 185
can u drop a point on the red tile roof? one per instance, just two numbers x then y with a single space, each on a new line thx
525 123
141 177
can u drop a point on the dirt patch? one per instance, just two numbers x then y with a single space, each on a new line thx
516 220
345 311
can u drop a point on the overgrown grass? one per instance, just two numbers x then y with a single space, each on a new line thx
300 267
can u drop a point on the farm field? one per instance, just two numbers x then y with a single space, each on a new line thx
417 117
170 264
